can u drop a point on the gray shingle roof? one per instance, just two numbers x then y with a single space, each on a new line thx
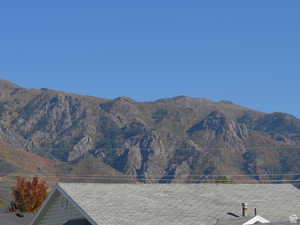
12 219
242 221
234 221
181 204
284 223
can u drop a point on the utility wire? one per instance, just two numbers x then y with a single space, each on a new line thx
167 177
179 179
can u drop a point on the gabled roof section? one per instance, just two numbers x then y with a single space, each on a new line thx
179 204
45 206
256 219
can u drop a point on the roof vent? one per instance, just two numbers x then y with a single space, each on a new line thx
293 219
244 209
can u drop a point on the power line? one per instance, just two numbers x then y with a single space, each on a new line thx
176 179
167 177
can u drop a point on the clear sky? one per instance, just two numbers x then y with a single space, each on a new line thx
246 51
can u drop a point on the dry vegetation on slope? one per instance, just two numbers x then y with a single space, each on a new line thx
178 139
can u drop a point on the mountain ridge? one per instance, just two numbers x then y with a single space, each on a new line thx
172 139
166 99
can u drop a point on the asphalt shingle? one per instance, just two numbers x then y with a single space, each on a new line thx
12 219
182 204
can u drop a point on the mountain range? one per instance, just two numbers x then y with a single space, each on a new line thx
62 135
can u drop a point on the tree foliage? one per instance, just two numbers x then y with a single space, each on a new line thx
2 204
224 180
29 194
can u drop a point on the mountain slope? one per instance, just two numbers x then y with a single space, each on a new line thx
181 138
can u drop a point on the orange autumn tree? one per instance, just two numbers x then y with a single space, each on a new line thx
29 194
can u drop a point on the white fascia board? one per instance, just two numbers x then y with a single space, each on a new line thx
44 206
256 219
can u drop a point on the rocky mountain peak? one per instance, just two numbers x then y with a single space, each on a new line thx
7 84
124 99
7 88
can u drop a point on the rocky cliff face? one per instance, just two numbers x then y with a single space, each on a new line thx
173 139
217 130
7 88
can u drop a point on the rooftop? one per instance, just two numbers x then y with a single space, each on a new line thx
181 204
12 219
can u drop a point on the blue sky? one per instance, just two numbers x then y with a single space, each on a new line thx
244 51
